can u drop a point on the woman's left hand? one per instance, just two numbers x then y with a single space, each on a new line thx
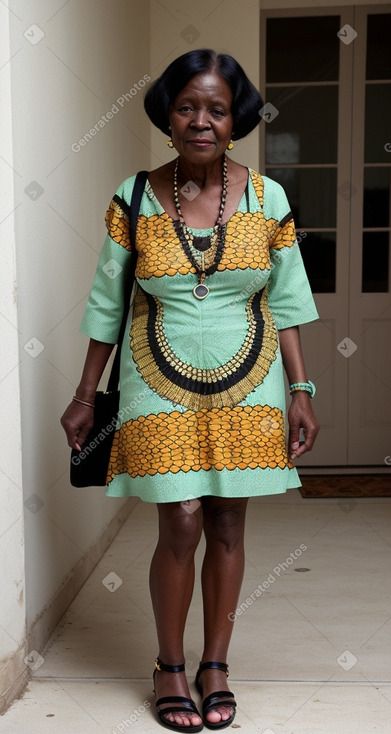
301 415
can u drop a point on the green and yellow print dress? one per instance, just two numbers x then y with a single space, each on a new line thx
202 396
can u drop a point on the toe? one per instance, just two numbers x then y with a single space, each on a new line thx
222 713
225 713
195 720
213 717
183 719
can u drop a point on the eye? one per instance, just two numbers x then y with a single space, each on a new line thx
184 108
218 113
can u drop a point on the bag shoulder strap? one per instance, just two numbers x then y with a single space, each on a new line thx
137 193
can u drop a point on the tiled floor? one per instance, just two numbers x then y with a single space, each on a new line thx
311 654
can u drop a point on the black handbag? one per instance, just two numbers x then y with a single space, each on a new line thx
89 466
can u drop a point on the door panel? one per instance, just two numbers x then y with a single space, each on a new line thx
369 304
307 149
328 143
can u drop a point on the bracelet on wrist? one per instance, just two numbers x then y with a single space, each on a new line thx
303 386
83 402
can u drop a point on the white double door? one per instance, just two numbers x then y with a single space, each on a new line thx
329 145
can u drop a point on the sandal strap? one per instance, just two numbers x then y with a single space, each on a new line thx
218 698
213 665
169 668
187 704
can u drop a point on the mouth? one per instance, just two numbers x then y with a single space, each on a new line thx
200 142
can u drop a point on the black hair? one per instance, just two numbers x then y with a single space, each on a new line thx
246 100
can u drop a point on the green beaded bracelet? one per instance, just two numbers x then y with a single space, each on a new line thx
307 386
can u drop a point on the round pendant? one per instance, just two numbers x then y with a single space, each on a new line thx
202 243
200 291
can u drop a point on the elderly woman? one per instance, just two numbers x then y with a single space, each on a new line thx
220 291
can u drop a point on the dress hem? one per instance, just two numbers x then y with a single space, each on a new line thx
222 483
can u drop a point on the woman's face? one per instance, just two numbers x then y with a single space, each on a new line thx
201 120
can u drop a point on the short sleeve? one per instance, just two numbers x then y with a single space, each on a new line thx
103 313
290 298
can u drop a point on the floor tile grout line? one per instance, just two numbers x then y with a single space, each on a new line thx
234 681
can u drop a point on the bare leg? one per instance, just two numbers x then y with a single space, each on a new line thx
222 575
171 586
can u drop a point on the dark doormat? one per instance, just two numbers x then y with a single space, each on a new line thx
346 485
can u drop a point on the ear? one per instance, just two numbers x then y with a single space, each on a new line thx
170 111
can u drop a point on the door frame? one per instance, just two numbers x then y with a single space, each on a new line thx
336 309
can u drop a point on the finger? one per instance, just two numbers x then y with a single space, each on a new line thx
81 436
293 441
294 435
293 450
73 442
299 451
76 438
82 432
309 435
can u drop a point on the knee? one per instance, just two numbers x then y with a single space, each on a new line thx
226 526
182 532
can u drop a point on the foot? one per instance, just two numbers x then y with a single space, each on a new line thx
213 680
174 684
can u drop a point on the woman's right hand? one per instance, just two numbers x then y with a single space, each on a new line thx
77 421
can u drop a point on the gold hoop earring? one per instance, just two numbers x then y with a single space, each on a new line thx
230 145
170 143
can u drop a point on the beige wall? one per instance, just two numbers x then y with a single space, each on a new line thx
12 576
69 71
228 27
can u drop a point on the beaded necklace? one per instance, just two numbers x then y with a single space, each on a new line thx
202 244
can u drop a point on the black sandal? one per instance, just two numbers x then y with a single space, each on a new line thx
187 705
219 698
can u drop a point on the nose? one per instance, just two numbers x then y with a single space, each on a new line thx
200 119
